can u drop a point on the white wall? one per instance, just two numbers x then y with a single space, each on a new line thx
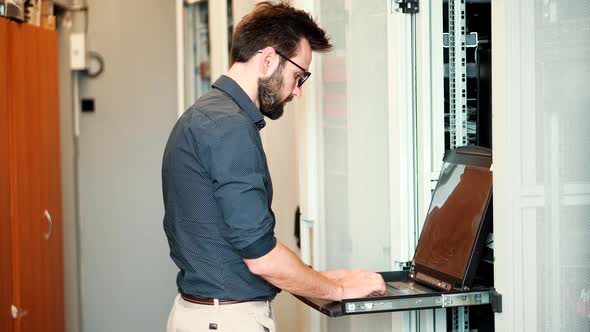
127 278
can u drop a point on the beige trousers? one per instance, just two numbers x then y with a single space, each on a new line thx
244 317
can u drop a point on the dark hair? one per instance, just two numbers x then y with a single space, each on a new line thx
279 26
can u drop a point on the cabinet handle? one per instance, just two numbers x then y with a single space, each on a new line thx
50 222
17 312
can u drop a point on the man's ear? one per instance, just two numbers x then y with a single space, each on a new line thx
267 61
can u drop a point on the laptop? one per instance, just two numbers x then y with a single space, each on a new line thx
447 258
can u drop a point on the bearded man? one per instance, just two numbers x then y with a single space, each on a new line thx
218 192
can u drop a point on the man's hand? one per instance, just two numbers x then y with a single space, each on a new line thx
335 274
340 275
357 283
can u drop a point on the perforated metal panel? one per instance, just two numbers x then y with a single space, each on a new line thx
561 74
541 167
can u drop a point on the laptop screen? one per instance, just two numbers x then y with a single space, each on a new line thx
454 219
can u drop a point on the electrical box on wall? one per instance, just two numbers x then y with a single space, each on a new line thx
77 51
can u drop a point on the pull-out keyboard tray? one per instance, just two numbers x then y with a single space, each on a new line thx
404 295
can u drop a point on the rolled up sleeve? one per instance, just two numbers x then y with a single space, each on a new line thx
239 173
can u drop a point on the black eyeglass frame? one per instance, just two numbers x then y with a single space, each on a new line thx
301 79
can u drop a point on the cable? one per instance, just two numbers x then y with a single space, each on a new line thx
96 56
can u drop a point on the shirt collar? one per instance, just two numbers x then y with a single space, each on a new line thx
229 86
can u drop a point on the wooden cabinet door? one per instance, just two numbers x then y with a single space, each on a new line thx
6 321
37 280
49 152
27 229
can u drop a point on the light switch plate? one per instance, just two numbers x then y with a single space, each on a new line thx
78 51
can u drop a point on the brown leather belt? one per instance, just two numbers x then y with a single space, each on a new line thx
198 300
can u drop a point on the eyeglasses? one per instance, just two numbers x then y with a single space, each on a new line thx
303 77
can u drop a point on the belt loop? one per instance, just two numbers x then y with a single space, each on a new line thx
216 304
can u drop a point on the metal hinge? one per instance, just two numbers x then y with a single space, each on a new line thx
405 6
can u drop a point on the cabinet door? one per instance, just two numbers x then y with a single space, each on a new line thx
6 322
37 293
26 243
34 279
541 98
48 148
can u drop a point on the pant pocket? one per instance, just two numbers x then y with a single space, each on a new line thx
267 322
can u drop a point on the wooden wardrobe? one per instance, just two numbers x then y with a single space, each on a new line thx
31 240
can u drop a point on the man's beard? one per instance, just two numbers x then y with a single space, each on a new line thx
269 89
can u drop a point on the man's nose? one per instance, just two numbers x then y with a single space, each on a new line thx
296 91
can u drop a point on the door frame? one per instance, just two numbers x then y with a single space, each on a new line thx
219 55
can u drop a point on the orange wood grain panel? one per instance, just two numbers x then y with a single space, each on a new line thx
17 158
55 184
21 223
6 322
29 143
42 156
50 131
38 280
33 257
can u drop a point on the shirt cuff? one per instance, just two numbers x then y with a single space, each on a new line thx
260 247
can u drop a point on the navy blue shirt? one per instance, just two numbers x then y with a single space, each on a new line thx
217 196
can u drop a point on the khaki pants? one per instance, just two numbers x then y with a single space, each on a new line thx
244 317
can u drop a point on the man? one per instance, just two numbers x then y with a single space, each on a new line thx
218 192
